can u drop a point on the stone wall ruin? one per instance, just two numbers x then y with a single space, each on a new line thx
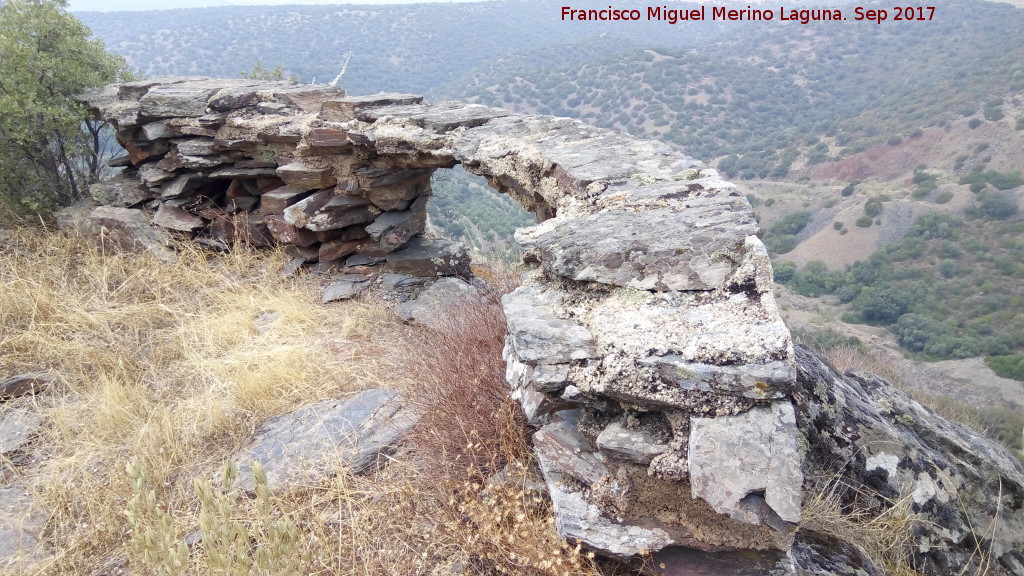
645 341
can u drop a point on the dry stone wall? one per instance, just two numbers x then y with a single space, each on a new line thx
645 342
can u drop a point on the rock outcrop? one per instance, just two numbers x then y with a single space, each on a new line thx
880 447
645 343
297 448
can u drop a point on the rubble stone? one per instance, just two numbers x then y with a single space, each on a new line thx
121 190
429 258
304 447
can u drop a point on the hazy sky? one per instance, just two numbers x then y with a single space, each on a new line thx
115 5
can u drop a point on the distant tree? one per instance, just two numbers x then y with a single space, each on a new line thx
260 72
792 223
873 207
780 244
886 305
998 206
784 271
815 280
49 146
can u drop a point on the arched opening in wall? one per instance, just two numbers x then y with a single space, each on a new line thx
465 208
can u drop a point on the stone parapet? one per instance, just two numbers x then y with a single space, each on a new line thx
646 313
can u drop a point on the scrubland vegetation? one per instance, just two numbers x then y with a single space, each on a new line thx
755 100
908 286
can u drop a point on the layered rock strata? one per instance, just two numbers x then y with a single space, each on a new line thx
644 344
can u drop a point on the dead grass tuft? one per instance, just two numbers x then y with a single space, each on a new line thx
846 358
883 531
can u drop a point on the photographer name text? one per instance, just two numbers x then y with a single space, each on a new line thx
750 14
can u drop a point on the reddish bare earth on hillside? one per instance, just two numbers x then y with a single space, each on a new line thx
936 148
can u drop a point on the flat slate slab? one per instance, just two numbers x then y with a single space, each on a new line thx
121 190
21 528
25 384
567 460
187 98
346 108
346 287
439 300
662 249
306 446
17 426
754 454
429 258
440 117
539 337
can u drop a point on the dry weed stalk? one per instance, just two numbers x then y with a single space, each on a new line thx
458 379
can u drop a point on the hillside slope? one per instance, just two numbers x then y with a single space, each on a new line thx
412 47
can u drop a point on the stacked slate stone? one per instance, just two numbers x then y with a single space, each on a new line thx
225 161
645 342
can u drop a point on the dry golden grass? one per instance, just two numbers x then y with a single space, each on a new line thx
173 365
885 535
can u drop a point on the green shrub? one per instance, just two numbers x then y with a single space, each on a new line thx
814 279
885 305
998 206
792 223
1007 366
780 244
864 221
1004 180
974 123
837 225
784 271
847 293
873 207
994 114
943 197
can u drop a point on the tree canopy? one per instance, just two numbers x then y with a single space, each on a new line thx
48 144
